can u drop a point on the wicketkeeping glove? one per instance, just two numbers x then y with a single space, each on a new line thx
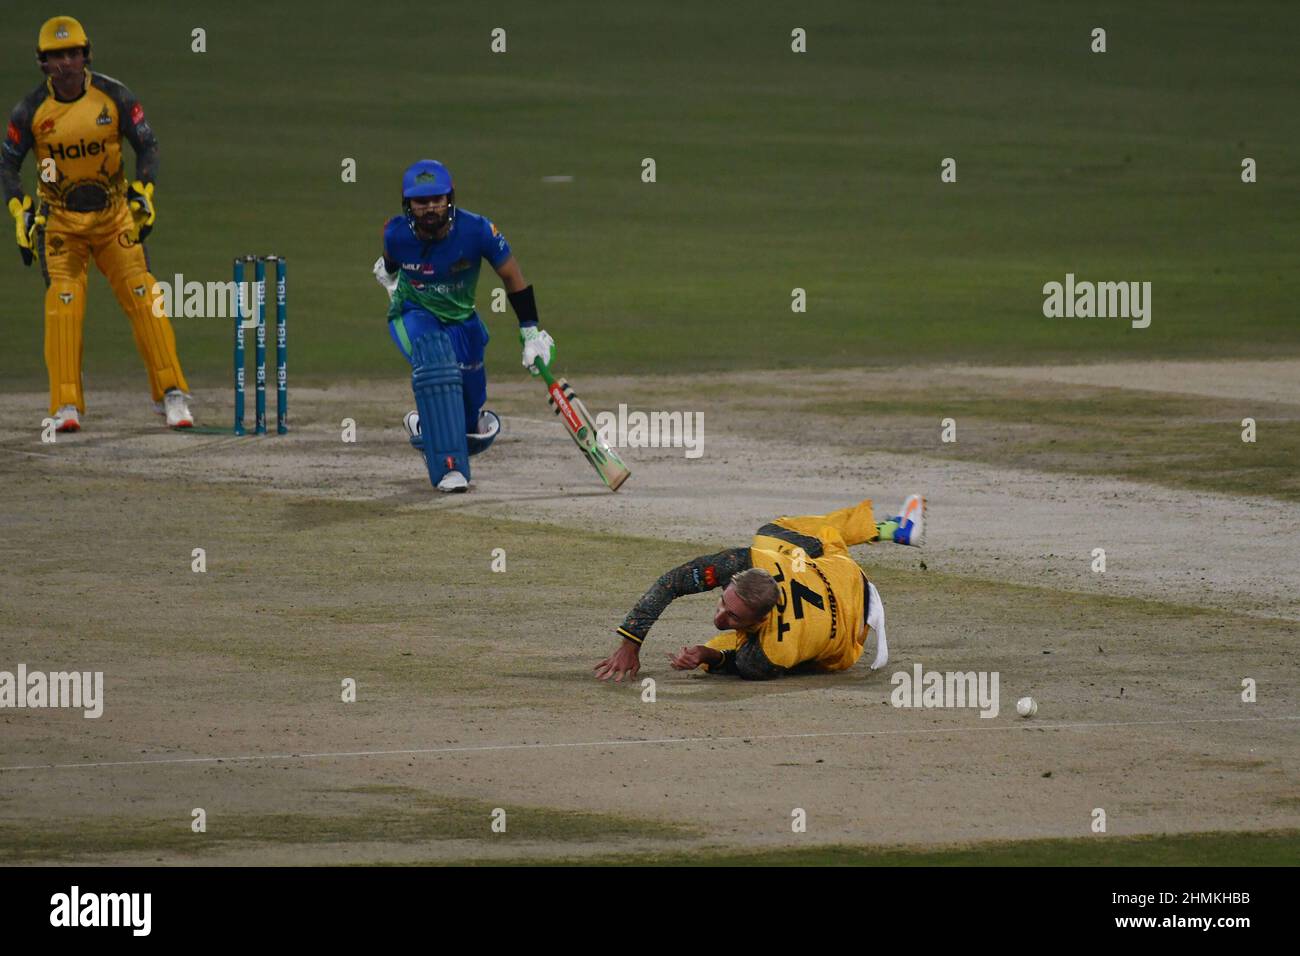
537 344
139 197
26 220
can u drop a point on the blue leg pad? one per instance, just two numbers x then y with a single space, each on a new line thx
436 384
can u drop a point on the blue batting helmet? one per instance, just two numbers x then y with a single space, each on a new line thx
426 178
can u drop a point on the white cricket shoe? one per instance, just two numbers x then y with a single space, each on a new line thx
911 522
412 425
177 410
66 419
453 481
489 427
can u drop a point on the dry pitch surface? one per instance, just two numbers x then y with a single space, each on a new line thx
328 561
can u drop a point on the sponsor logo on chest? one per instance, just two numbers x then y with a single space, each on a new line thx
421 268
77 150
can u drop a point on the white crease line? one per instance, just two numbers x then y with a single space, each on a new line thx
488 748
30 454
531 421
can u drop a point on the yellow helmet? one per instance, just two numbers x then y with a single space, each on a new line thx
61 33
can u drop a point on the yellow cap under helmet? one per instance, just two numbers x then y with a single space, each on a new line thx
61 33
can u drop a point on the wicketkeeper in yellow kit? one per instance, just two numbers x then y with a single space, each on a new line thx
794 599
75 122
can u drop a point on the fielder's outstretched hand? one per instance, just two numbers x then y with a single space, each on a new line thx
689 658
624 662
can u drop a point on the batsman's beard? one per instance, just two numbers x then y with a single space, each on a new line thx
432 223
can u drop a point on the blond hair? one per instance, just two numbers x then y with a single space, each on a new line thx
757 589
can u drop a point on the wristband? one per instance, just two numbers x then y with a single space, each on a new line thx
525 306
629 636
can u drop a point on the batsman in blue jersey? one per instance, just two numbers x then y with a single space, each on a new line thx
430 267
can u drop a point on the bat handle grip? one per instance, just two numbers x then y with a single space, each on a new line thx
540 364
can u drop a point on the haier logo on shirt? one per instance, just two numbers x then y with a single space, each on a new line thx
78 150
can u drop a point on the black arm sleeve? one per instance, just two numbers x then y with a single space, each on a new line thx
17 142
701 574
525 306
748 662
752 663
132 124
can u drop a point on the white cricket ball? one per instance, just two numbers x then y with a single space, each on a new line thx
1026 707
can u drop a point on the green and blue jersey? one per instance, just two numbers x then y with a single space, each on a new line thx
440 276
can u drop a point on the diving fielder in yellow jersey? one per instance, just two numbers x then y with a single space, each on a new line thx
75 122
794 599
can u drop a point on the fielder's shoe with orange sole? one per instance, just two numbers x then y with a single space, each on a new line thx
177 409
67 420
911 522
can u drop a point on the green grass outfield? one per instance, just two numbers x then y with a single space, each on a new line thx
775 170
1276 848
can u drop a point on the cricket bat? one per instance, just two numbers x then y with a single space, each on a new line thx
582 429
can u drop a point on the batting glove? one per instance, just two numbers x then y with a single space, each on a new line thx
385 278
26 221
537 345
140 198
